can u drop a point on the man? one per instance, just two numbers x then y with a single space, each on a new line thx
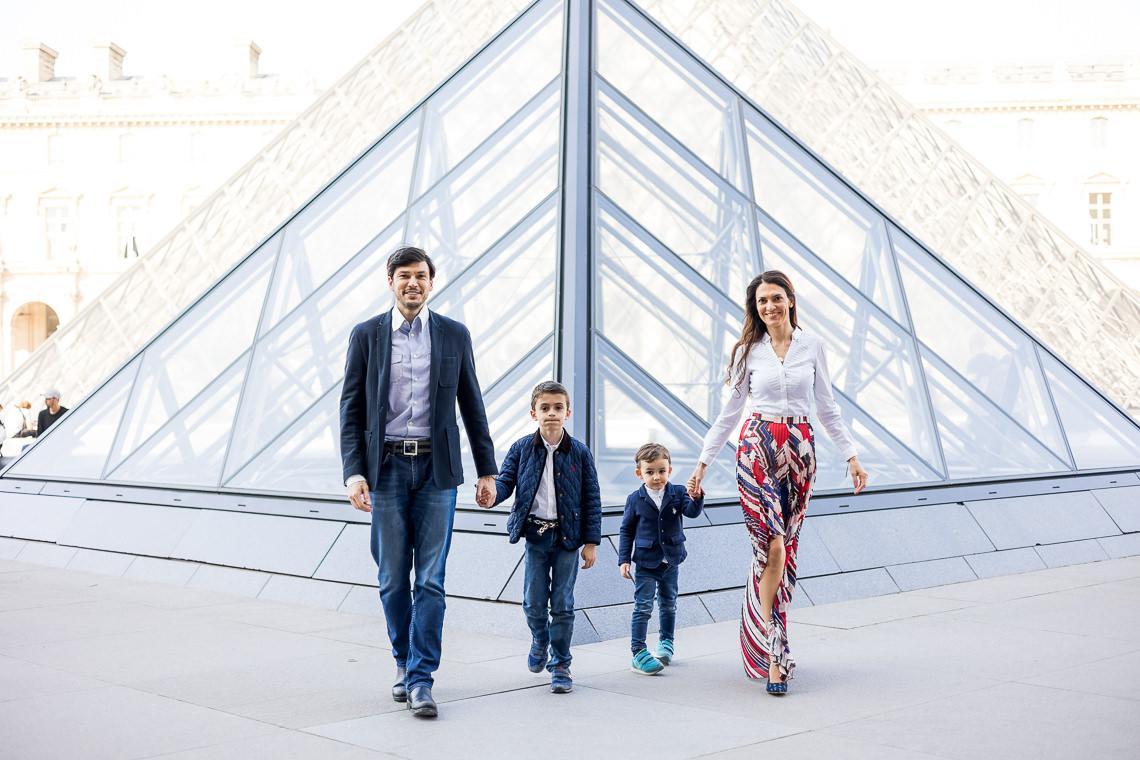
52 411
399 441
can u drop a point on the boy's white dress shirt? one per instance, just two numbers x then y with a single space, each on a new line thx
545 506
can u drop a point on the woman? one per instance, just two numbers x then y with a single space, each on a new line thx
776 369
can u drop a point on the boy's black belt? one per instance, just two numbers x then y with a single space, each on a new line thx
541 526
409 448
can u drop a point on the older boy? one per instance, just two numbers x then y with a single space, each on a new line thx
558 509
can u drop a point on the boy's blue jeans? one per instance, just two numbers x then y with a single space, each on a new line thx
548 594
660 581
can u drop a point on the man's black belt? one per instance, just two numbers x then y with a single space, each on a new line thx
409 448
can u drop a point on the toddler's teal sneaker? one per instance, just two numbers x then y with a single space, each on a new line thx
665 651
646 664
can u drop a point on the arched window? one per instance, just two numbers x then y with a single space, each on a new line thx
31 325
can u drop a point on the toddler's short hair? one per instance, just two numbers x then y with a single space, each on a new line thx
651 452
549 387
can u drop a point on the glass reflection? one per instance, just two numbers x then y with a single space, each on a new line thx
1099 435
671 88
695 215
978 342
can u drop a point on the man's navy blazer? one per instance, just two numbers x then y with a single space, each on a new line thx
364 401
649 535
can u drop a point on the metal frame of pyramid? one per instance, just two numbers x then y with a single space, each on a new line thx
596 197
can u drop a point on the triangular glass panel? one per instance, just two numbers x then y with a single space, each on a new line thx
692 211
303 459
1099 434
507 403
871 358
676 326
887 459
631 410
492 87
303 357
506 297
979 439
76 446
341 221
509 175
195 350
979 342
823 214
671 88
190 448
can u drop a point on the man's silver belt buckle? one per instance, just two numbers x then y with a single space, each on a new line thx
411 448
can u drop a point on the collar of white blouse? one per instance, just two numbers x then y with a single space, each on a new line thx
767 339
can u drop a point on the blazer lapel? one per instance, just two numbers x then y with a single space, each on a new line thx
383 357
435 330
647 501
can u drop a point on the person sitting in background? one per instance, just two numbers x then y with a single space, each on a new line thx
24 408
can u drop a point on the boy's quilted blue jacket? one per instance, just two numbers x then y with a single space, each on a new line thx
575 482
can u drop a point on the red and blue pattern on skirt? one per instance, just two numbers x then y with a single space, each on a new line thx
775 469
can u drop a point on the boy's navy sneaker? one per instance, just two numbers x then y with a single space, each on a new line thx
536 659
560 680
646 664
664 651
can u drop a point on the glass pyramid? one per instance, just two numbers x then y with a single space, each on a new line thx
688 191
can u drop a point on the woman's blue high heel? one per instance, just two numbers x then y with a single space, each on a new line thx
777 689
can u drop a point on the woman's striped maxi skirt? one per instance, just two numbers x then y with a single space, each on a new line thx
775 467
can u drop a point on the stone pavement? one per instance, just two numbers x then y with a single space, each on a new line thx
1039 665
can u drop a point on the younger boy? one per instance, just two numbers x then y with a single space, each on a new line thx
558 508
652 520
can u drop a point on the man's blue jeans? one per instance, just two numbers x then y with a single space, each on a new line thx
411 528
548 594
660 581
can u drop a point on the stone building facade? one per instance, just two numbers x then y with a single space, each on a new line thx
97 164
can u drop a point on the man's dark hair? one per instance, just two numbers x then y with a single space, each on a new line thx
549 387
651 452
409 254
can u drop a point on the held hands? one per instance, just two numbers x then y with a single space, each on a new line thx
858 474
625 571
693 485
359 497
485 491
589 556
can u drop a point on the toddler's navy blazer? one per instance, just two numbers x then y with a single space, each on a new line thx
648 535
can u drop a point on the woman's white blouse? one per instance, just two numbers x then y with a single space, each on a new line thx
785 389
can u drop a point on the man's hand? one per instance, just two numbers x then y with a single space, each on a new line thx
359 496
625 571
485 492
589 556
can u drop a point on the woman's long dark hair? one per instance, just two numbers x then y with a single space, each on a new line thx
754 327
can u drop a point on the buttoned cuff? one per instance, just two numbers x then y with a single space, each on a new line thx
352 479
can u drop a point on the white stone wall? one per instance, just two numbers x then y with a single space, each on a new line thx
94 147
